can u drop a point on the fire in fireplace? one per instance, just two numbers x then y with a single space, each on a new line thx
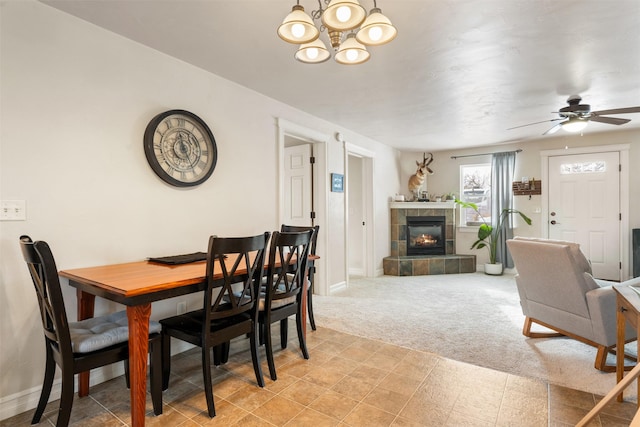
426 235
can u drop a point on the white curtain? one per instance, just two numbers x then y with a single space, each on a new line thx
503 167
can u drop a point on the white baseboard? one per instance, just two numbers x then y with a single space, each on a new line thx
337 286
27 400
356 272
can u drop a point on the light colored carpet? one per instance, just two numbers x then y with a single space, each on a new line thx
472 318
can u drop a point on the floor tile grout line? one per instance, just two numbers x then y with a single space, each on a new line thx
108 410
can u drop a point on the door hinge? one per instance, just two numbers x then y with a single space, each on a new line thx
620 265
313 215
619 217
619 168
312 160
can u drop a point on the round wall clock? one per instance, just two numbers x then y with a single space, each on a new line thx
180 148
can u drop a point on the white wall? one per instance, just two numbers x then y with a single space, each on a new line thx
528 163
75 100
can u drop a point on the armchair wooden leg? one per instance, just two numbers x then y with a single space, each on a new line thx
601 360
602 351
526 330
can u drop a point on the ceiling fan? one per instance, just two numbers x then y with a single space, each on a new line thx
576 116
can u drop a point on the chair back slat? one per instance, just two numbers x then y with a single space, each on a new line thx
44 275
291 249
241 262
298 228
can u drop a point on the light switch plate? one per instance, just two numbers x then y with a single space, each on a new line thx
13 210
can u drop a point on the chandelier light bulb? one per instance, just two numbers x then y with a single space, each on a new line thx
297 30
312 53
343 14
375 33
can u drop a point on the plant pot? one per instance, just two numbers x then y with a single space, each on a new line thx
493 269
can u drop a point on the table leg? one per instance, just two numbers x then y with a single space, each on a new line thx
138 317
86 304
637 364
628 379
620 326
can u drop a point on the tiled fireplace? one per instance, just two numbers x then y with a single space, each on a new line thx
423 241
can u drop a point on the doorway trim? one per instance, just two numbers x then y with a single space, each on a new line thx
368 159
623 149
320 191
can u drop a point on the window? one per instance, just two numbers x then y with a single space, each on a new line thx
585 167
475 187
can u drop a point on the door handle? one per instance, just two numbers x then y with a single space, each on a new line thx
553 222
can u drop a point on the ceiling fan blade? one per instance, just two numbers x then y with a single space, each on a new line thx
609 120
554 129
537 123
618 111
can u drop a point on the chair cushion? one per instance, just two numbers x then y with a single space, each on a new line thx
101 332
277 303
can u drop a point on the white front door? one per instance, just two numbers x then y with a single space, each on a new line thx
584 207
297 185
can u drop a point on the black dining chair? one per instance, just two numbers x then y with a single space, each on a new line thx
79 346
229 310
283 285
311 268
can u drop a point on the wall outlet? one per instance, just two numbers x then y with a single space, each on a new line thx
13 210
182 307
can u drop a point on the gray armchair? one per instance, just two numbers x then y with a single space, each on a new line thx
558 292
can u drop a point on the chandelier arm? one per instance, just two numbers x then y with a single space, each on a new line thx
316 14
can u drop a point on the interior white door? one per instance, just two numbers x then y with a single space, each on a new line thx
356 220
297 188
584 207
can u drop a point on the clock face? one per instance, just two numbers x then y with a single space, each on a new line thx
180 148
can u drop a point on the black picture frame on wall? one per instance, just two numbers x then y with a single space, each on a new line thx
337 183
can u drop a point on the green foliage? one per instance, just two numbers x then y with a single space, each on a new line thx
488 236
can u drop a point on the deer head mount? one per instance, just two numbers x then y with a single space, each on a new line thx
417 179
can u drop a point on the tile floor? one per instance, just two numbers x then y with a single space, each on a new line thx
348 381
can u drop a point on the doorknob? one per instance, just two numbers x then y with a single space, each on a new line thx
553 222
552 214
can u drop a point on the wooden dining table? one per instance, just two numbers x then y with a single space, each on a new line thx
136 285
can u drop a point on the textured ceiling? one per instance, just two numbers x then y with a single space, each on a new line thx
459 73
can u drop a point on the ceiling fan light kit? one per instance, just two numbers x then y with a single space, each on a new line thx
576 116
339 17
574 124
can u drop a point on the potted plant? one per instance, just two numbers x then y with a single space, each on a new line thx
488 236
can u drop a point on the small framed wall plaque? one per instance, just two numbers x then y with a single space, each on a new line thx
337 183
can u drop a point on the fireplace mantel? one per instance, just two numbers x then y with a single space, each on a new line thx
423 205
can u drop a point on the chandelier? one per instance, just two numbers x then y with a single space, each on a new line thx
341 19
